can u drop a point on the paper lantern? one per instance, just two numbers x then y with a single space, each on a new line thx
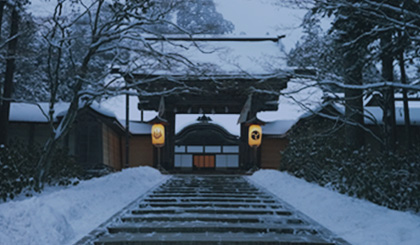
158 135
254 135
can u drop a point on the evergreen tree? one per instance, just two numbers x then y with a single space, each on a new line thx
193 17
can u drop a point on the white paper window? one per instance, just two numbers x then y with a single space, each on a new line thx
195 149
186 161
232 161
213 149
178 160
231 149
180 148
221 161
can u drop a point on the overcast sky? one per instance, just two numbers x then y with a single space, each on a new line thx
262 18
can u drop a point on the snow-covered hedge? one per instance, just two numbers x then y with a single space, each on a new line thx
318 154
18 168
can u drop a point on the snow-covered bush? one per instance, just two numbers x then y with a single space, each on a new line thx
17 169
317 152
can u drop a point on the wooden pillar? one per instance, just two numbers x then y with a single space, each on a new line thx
243 148
246 152
168 149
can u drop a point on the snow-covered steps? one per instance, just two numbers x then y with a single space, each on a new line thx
212 210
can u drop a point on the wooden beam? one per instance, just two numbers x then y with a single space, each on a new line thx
214 38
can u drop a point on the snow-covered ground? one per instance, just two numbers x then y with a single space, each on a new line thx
357 221
65 215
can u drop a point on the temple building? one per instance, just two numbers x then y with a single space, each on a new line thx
204 76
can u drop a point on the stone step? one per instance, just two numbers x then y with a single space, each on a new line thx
207 179
176 195
190 217
207 188
210 211
223 186
196 191
208 204
209 238
208 199
194 227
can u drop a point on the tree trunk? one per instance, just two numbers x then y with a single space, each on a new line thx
8 77
388 105
353 99
407 122
44 163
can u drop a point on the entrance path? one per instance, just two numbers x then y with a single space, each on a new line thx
210 209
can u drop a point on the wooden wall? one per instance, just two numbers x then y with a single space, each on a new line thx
271 152
36 134
141 151
111 148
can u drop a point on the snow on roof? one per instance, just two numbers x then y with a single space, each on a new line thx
38 112
374 113
137 127
215 57
279 127
298 98
26 112
117 105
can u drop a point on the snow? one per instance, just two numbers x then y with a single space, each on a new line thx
297 99
65 215
38 112
375 113
216 58
138 128
117 105
357 221
26 112
279 127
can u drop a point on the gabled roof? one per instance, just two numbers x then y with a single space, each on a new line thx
38 112
219 55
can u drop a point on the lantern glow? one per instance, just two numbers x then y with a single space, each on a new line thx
158 135
254 135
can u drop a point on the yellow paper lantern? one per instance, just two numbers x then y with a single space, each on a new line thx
158 135
254 135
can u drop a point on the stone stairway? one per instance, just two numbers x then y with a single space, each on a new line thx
212 210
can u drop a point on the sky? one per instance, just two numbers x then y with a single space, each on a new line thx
263 18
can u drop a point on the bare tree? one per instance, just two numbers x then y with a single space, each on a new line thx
84 46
